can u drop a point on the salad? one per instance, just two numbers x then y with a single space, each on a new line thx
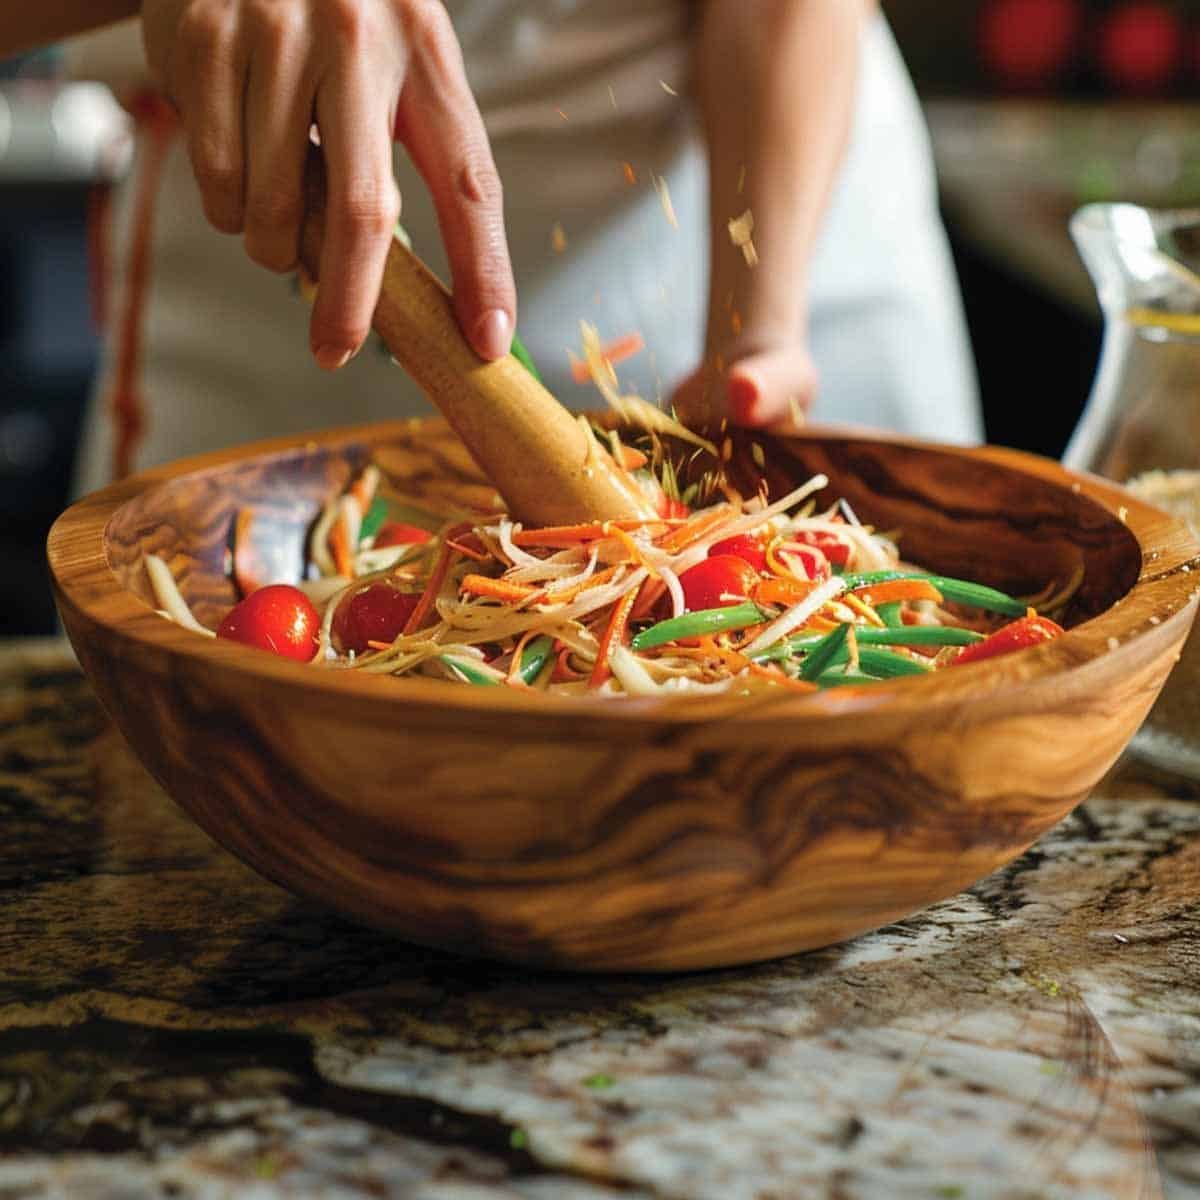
716 593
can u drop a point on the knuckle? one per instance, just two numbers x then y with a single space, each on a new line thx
369 212
275 208
216 171
477 181
350 21
430 33
277 24
204 25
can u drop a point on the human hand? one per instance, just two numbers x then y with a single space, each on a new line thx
769 386
250 77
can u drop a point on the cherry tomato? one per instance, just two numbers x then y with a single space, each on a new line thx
397 533
830 545
375 613
718 583
277 617
1028 631
744 546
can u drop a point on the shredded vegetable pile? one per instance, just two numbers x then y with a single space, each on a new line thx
739 596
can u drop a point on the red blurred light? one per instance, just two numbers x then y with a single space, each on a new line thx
1029 43
1139 45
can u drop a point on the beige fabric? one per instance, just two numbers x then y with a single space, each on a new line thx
570 90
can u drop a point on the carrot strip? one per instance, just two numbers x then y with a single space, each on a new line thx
782 591
682 537
563 537
876 594
632 548
469 551
631 459
864 610
614 635
433 584
339 545
568 594
778 677
497 589
616 351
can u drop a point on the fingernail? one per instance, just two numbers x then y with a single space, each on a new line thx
743 396
330 358
493 334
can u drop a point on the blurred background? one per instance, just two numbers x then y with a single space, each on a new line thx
1035 107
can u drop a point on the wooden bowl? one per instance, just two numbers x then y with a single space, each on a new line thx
631 834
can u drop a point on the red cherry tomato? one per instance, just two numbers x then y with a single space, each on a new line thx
376 613
718 583
397 533
1028 631
744 546
277 617
829 544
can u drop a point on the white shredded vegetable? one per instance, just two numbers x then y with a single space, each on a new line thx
169 597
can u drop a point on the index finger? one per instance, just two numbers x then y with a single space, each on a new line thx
362 208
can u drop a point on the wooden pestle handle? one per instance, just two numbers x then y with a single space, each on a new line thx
547 468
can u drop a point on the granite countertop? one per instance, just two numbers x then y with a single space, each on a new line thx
172 1025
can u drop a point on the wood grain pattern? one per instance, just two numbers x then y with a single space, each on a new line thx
546 466
634 834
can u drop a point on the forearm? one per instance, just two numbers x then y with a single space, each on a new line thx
776 83
28 25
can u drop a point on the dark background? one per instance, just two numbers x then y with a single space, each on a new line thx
1036 340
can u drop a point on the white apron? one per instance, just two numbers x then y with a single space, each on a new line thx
570 91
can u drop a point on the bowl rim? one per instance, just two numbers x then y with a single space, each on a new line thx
85 584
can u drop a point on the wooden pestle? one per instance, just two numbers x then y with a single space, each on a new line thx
547 468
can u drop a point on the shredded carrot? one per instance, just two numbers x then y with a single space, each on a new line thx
864 610
563 537
876 594
374 645
783 680
682 537
469 547
568 594
614 635
631 547
632 459
363 488
433 584
783 591
339 546
614 352
497 589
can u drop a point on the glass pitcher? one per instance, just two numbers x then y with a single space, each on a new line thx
1141 425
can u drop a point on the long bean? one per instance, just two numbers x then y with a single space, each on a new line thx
536 655
961 591
824 653
905 635
697 624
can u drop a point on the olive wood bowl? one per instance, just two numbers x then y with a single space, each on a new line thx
631 834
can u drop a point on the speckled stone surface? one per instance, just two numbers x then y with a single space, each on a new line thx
172 1025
